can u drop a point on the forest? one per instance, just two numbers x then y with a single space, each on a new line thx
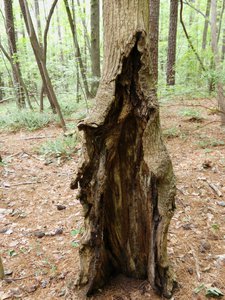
112 149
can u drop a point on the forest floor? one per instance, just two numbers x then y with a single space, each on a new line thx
41 219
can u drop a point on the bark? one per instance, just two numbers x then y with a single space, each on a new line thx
223 46
206 25
1 86
95 45
45 46
125 178
72 24
2 275
172 43
154 38
40 59
59 34
38 20
10 28
216 58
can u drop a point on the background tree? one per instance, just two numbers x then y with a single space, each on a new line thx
40 58
126 179
172 43
95 44
10 29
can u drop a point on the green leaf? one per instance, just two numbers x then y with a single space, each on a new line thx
199 288
213 292
75 244
74 232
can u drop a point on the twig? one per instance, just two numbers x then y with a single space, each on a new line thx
36 137
196 264
188 38
9 280
215 189
22 183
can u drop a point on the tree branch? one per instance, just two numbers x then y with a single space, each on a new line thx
188 38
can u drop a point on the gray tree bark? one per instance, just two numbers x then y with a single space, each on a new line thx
17 77
217 63
172 43
125 179
95 45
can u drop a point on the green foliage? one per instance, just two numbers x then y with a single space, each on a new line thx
191 113
61 147
206 142
25 119
171 132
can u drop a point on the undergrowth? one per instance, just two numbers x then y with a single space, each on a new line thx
25 119
61 147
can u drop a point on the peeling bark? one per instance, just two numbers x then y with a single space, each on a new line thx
125 179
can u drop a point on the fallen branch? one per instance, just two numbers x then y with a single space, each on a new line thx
36 137
215 189
196 264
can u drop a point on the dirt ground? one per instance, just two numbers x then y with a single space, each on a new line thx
41 219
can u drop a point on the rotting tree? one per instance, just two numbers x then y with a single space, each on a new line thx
125 177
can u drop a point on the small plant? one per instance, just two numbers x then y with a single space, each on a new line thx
171 132
25 119
190 113
61 147
205 143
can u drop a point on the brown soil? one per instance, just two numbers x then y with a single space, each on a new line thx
39 242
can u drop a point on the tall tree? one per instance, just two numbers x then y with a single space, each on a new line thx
95 44
216 58
38 20
125 177
72 23
206 24
172 43
154 38
40 59
17 77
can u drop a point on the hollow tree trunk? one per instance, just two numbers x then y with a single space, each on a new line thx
172 43
125 178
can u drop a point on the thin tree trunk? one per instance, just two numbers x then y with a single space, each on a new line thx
1 86
40 59
217 63
125 177
59 35
10 28
206 25
223 46
172 43
220 21
154 7
38 20
95 45
77 49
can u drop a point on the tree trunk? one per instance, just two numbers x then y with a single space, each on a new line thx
1 86
41 62
206 25
72 24
172 43
154 38
38 20
125 179
223 46
10 28
95 45
217 63
59 35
